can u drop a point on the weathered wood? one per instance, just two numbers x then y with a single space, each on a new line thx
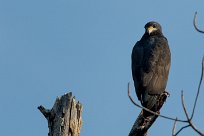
65 117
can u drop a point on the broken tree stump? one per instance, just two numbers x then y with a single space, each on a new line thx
65 117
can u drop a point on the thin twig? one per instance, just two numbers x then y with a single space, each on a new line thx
201 78
195 24
184 107
174 128
155 113
181 129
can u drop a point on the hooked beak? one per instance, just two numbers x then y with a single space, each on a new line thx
150 29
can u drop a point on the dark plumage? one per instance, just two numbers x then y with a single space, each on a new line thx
151 60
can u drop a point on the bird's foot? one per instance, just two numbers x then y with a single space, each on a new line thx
158 112
163 96
166 93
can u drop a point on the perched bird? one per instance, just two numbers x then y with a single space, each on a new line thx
151 60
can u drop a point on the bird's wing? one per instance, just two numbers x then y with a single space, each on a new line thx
137 57
156 64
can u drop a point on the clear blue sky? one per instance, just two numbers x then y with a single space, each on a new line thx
50 47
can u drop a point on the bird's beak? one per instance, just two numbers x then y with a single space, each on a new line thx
150 29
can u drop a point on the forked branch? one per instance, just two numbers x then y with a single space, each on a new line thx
189 119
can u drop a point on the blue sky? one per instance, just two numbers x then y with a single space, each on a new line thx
50 47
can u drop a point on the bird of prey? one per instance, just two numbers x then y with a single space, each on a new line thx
151 60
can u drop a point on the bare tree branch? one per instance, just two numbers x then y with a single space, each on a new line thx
155 113
196 129
174 128
201 78
189 120
184 107
181 130
195 24
44 111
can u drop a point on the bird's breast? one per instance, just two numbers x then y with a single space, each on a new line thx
151 41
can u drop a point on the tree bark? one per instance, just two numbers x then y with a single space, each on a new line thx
142 124
65 117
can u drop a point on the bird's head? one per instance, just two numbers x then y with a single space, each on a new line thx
153 27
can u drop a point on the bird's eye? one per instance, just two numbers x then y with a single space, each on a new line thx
154 26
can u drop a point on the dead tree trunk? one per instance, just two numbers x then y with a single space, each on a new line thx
64 119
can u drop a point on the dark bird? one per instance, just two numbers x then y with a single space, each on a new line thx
151 60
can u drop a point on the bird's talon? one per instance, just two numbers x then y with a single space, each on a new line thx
167 94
